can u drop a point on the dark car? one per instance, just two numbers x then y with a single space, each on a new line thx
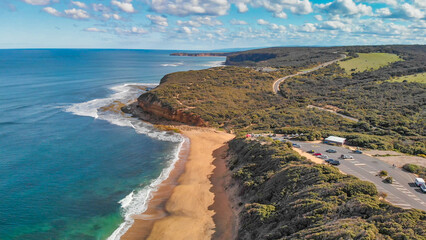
358 151
329 160
334 162
331 151
296 145
311 151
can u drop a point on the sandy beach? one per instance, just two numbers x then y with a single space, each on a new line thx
192 202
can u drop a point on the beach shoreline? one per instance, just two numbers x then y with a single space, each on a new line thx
192 202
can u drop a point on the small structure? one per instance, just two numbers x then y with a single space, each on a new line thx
335 140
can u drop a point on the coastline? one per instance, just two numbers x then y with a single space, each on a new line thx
192 202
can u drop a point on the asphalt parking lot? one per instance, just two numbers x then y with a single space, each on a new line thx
402 192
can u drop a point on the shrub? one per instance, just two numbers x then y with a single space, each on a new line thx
416 169
383 195
383 173
389 180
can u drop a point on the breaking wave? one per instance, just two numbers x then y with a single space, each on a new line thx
109 109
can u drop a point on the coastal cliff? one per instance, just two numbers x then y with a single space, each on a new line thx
150 103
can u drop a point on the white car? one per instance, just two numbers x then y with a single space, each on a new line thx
345 156
419 182
423 188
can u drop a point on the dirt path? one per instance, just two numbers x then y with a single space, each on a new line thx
276 85
334 112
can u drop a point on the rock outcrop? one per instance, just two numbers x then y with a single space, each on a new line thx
149 103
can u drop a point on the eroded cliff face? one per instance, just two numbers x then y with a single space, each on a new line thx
151 104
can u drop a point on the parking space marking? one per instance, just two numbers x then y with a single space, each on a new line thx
359 164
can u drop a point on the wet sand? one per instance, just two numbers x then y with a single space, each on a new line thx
192 203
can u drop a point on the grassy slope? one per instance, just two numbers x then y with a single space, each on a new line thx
419 77
368 61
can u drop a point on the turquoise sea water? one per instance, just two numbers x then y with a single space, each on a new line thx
67 169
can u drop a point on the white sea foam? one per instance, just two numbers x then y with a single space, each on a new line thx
122 93
172 64
213 64
137 201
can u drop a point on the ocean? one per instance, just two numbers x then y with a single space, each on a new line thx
72 166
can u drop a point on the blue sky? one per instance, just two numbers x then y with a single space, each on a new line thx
209 24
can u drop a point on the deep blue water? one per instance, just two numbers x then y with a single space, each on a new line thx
64 164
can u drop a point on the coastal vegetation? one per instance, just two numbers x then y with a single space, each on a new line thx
391 114
285 196
416 169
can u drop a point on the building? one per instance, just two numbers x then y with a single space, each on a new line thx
335 140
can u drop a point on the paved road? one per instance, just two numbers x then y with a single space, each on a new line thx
276 85
401 193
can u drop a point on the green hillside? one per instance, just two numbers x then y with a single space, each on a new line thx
368 61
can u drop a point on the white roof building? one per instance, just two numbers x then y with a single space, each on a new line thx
335 139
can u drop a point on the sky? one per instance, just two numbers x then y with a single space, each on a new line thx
209 24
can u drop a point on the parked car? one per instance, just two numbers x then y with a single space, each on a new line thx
357 151
419 182
345 156
296 145
329 160
323 156
317 154
423 188
334 162
331 151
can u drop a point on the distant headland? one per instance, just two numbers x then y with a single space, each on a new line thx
204 54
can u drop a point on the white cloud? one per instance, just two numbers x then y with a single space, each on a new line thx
188 30
79 4
383 12
262 22
280 15
76 13
37 2
280 28
410 11
190 7
308 27
124 6
404 11
242 7
237 22
158 20
387 2
277 7
52 11
93 29
210 21
420 3
332 25
113 15
318 17
345 7
198 21
99 7
131 31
